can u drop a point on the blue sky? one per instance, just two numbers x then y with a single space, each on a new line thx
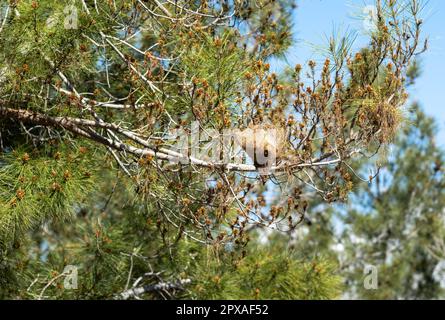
316 19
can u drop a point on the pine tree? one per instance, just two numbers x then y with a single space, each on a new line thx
97 101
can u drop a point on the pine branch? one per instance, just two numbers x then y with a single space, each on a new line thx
83 127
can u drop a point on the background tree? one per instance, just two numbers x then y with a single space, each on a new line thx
393 223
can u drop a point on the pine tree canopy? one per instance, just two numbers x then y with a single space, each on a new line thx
140 142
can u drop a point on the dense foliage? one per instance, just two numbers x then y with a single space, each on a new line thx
99 169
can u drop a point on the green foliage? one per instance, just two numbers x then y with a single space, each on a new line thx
115 240
37 43
41 184
218 62
264 274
